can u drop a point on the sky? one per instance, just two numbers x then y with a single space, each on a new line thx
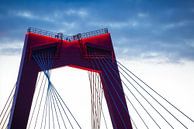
152 38
140 28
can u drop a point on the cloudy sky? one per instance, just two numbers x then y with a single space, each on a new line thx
153 37
139 28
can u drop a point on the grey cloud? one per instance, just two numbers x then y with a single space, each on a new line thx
10 51
140 29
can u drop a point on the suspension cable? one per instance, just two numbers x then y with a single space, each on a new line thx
157 93
156 100
59 97
53 103
114 70
127 97
36 101
112 97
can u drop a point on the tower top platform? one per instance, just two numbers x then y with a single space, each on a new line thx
65 37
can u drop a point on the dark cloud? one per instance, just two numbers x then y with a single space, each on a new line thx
10 51
139 28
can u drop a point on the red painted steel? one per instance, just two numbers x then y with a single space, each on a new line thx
75 53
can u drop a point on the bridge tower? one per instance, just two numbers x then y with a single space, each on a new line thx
76 51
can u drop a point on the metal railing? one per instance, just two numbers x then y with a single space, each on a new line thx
42 32
68 38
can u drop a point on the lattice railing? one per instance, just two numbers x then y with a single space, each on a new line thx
69 38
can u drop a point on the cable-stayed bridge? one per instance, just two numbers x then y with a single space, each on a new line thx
131 102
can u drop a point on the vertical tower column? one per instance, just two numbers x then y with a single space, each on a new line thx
115 98
24 92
